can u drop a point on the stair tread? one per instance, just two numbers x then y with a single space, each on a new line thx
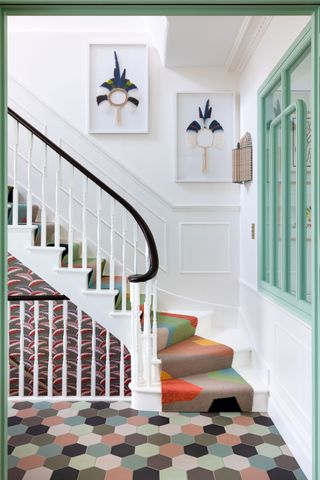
195 355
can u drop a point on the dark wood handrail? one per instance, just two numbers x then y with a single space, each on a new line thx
33 298
153 252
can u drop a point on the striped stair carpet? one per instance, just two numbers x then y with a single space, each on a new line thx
197 373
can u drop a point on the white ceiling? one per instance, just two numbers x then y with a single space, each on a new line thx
200 41
182 41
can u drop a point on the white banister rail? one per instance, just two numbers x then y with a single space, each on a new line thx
43 199
29 187
78 206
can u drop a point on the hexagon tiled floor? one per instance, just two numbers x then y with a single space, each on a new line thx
99 441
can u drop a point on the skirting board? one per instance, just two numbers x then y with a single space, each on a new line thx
288 426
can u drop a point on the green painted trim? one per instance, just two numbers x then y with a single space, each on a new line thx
315 211
3 252
285 182
299 46
164 7
300 309
207 7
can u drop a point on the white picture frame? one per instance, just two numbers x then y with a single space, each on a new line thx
101 64
219 162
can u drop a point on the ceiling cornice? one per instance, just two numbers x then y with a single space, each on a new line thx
246 42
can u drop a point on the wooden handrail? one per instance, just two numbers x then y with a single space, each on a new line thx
153 252
33 298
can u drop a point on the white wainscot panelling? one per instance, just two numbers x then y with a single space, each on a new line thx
205 247
292 375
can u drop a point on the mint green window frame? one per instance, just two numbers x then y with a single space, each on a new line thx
268 176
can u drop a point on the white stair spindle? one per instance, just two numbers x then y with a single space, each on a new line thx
56 215
124 278
64 348
36 350
29 190
84 222
70 219
136 334
9 366
135 247
154 322
93 359
98 259
43 200
121 370
147 335
15 207
79 361
107 370
50 348
112 212
21 360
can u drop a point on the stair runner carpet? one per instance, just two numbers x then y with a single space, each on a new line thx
197 373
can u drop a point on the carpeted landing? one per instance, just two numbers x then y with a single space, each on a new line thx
102 441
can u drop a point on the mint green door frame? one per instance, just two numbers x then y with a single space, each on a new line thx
161 7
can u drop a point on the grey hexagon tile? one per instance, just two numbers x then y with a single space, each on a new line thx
101 441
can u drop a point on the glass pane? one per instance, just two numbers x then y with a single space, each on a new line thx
272 110
292 208
301 82
278 163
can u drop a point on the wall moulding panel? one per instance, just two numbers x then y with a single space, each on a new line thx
204 247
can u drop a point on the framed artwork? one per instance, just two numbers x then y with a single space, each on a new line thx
205 136
118 88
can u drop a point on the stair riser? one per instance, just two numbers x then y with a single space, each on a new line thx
152 401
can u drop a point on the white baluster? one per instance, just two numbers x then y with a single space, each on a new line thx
9 366
154 322
15 206
70 230
56 215
112 211
64 348
43 200
107 371
50 348
124 279
135 247
93 359
29 190
21 360
121 369
136 333
84 223
79 361
98 259
36 350
147 335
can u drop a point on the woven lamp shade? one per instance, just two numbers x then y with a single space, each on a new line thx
242 160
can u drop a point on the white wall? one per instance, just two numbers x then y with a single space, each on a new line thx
53 66
282 341
52 70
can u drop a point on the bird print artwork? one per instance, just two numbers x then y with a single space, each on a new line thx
205 133
118 93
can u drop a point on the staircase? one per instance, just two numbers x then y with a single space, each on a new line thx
173 368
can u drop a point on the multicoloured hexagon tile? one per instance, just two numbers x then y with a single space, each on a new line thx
102 441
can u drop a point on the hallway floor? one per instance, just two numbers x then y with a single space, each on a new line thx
102 441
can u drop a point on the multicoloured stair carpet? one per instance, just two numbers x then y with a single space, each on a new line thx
197 373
